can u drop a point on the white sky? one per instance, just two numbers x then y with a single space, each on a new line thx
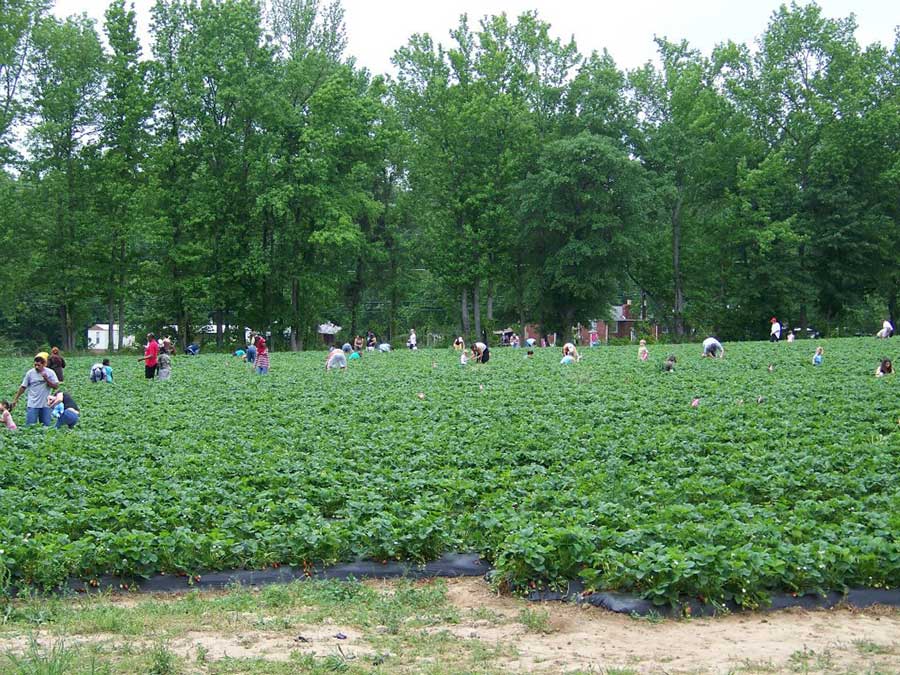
376 28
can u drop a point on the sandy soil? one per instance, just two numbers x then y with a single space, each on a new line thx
568 638
590 639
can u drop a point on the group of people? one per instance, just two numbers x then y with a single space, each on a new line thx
157 357
775 328
44 401
481 352
256 354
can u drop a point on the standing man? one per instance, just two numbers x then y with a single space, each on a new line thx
151 357
40 382
775 330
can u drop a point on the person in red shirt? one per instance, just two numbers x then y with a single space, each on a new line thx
151 357
262 356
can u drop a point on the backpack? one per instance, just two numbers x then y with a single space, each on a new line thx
97 373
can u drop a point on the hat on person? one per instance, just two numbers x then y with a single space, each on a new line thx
43 355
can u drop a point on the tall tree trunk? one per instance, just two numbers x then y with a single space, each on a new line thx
892 308
476 308
295 314
490 303
219 318
184 329
64 325
121 336
355 298
111 317
464 314
568 320
121 295
676 268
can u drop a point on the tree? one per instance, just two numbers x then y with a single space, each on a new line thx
122 194
18 21
580 208
63 102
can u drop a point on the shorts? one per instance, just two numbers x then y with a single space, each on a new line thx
150 371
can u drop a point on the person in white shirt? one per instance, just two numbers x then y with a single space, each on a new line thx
775 330
713 348
411 342
481 352
886 330
336 359
569 350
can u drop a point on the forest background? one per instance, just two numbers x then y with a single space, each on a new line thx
246 172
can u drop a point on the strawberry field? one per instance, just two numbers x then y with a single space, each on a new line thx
776 480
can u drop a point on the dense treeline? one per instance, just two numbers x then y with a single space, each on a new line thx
248 173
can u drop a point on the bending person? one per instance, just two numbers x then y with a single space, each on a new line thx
65 410
713 348
570 350
336 359
481 352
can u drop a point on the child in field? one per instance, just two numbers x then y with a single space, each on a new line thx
165 364
262 356
354 356
643 352
6 416
569 350
529 354
884 368
97 374
567 360
818 356
463 357
669 363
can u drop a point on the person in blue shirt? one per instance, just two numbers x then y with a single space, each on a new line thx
818 356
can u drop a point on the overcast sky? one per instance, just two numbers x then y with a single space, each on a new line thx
375 28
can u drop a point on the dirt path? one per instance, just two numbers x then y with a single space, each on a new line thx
505 634
588 639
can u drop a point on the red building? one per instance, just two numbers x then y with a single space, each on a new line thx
620 325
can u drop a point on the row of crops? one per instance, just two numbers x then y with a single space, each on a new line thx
781 479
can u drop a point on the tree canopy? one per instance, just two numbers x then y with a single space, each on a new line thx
247 172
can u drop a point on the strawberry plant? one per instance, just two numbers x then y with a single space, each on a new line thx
781 480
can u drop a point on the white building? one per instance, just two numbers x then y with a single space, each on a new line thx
98 337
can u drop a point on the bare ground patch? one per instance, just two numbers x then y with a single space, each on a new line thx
486 632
